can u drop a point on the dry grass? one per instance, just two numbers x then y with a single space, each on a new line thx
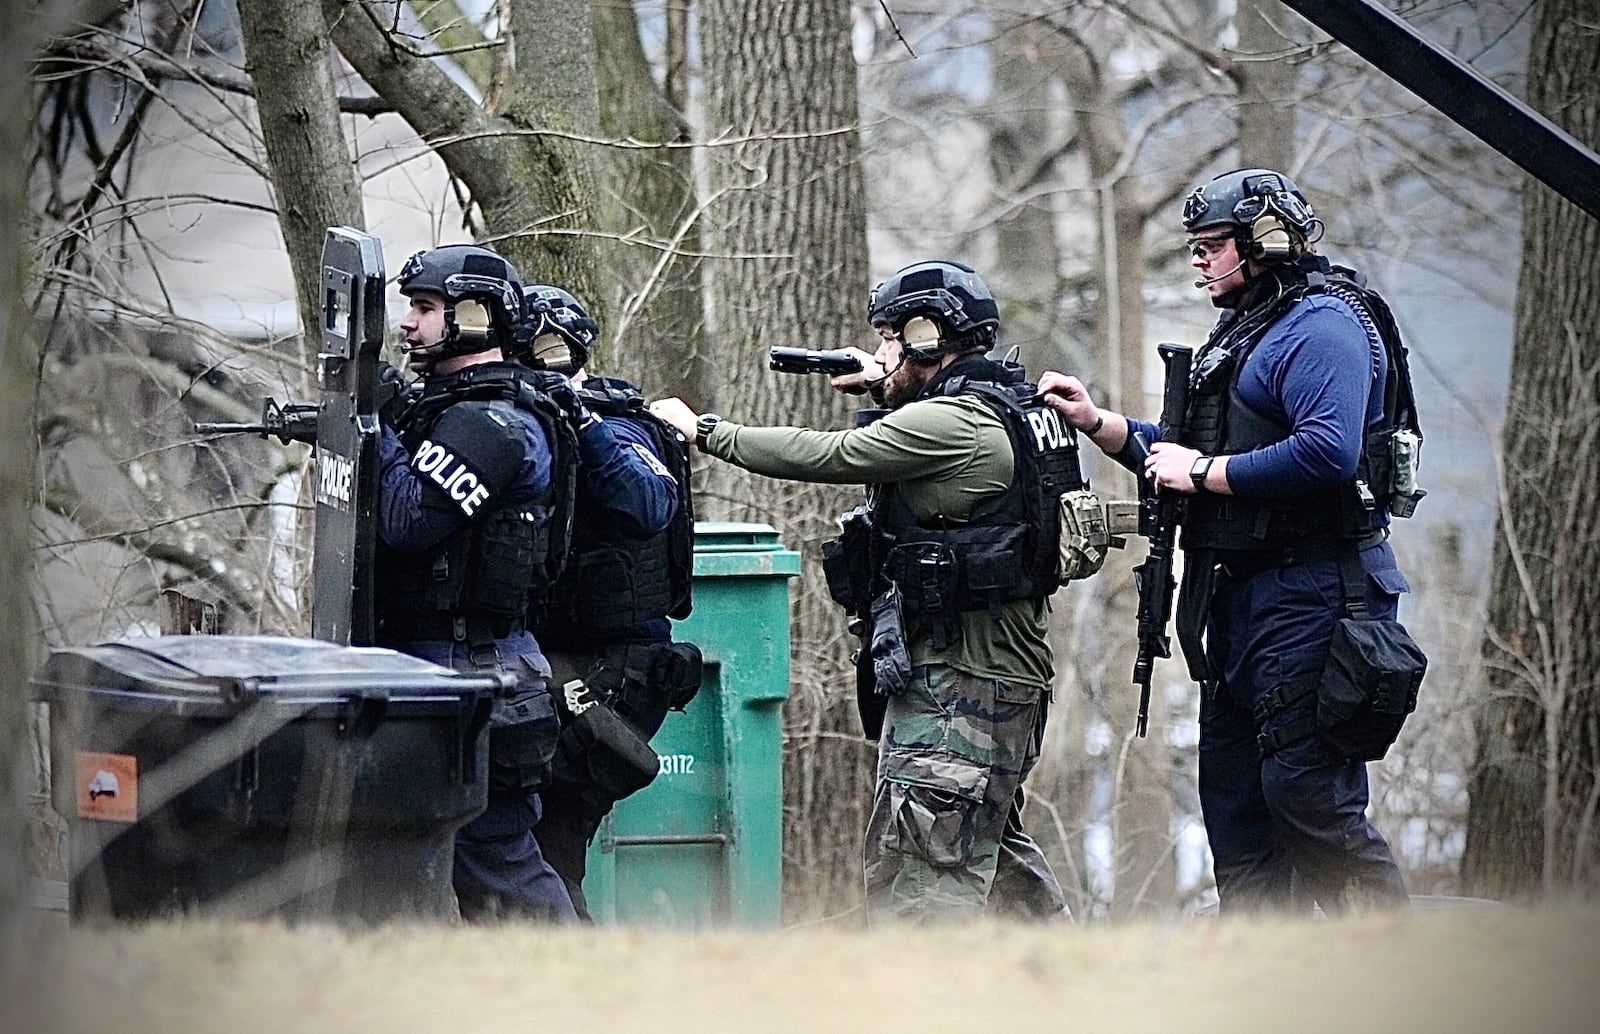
1496 971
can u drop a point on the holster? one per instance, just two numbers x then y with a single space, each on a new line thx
602 758
870 704
645 680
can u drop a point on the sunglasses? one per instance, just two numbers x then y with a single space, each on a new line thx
1207 247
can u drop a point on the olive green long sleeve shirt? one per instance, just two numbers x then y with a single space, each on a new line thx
946 455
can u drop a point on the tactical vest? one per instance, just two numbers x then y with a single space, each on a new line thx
615 580
1009 547
489 571
1220 422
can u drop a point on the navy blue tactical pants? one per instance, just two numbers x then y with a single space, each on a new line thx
1293 823
499 872
572 816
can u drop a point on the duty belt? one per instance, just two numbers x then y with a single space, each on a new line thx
404 628
1245 563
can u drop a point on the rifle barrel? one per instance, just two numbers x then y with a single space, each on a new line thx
228 428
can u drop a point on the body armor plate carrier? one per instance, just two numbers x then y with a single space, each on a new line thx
1221 423
478 583
1008 549
615 581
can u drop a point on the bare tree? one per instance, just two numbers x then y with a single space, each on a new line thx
649 208
522 152
787 226
1534 819
287 49
30 28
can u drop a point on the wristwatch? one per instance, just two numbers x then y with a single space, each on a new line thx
1198 472
703 426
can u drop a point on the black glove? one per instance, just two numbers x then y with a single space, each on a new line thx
565 396
393 394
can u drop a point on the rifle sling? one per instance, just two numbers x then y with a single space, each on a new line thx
1194 603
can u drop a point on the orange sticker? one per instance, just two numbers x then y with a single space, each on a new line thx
108 786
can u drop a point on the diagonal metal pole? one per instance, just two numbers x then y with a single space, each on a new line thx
1461 93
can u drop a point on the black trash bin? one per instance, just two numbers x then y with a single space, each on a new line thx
263 776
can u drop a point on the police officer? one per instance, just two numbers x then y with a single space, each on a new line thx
471 473
946 562
1286 524
606 628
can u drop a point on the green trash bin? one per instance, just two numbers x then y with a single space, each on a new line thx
702 845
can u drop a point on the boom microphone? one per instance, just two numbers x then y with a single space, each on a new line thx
1209 280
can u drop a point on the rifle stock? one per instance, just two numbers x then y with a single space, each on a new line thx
1160 513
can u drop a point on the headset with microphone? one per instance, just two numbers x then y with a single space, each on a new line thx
1272 221
1207 281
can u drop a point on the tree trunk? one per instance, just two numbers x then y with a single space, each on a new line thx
286 55
1022 119
528 176
647 198
1531 823
788 229
19 361
1266 86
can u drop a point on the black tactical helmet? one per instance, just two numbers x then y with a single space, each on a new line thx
950 294
463 273
558 332
1255 202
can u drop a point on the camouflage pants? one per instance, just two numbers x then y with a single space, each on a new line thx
946 817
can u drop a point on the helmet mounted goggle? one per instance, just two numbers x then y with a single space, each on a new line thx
1285 205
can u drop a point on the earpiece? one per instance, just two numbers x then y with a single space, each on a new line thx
920 336
920 331
553 351
1270 239
472 319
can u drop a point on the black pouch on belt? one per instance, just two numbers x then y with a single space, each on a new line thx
891 659
1370 682
598 750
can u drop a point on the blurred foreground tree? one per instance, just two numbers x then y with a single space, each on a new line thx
1534 820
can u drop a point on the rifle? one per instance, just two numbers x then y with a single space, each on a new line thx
292 422
834 362
1160 513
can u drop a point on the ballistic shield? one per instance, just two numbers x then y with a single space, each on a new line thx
353 322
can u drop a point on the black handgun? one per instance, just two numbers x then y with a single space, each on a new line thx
833 362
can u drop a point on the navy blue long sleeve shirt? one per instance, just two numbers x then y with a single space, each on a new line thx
1314 370
623 476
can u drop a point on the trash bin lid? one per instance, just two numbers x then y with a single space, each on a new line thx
224 673
725 548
